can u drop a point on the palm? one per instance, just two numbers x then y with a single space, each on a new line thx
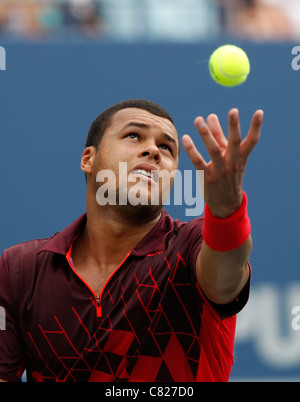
223 174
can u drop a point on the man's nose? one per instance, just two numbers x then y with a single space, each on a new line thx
152 151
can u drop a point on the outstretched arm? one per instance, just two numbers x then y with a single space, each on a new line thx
223 274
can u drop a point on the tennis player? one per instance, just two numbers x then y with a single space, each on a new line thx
126 293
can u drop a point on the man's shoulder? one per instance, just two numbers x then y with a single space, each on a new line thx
26 250
195 224
58 243
185 235
33 245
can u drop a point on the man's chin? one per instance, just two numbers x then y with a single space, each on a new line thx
136 209
139 214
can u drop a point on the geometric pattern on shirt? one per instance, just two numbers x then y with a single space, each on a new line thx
168 350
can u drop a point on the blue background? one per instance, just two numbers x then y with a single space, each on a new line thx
51 94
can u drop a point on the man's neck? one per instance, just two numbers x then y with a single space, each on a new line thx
107 239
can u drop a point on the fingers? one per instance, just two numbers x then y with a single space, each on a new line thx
210 141
216 130
234 138
196 158
235 150
253 136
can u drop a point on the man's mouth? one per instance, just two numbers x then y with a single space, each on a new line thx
148 175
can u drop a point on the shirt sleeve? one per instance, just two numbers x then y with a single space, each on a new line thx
11 354
224 310
234 307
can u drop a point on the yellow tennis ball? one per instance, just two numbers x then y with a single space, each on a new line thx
229 65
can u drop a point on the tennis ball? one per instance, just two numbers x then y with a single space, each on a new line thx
229 65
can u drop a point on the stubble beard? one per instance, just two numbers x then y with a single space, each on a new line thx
132 215
135 215
118 203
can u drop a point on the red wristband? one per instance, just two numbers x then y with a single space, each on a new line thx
225 234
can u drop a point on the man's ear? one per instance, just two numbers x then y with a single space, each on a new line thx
87 159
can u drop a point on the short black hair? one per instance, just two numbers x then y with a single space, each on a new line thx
101 122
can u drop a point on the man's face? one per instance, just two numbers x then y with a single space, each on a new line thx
147 143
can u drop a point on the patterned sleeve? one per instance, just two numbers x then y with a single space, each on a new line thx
11 355
194 235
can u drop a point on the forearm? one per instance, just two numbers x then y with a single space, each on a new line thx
222 275
222 264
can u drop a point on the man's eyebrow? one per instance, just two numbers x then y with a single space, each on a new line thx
136 124
169 138
146 126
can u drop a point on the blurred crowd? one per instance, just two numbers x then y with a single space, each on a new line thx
261 20
189 20
39 19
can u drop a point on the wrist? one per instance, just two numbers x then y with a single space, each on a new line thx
225 234
219 211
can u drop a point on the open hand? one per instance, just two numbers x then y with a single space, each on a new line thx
223 175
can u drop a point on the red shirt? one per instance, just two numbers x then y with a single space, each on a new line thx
151 321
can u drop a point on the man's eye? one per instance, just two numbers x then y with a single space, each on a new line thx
132 135
166 147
